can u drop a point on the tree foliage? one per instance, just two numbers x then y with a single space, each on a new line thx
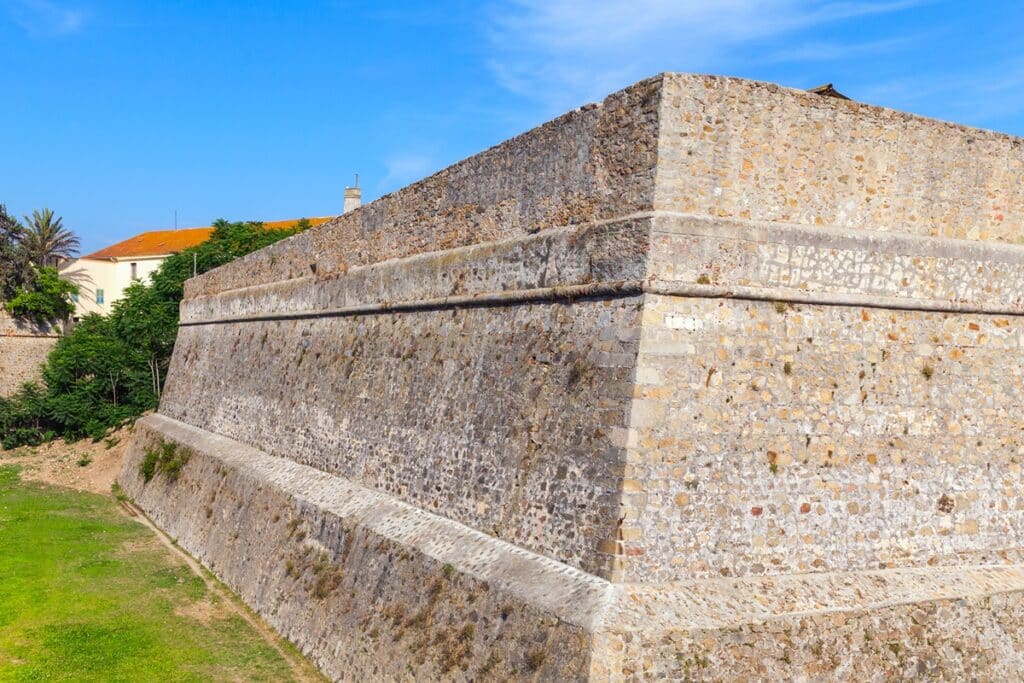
14 268
109 370
47 298
46 241
30 252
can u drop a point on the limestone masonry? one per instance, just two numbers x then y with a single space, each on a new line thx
24 347
712 380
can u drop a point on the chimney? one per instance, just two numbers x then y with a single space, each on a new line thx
353 198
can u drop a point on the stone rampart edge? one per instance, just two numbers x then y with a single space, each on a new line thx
598 252
676 222
582 599
565 293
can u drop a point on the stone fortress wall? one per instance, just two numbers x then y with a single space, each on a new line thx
24 347
713 379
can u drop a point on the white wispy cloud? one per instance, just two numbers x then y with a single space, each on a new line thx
44 18
565 52
820 51
403 169
979 97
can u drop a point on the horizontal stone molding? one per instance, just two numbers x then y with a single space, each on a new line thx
616 290
728 603
563 293
657 252
569 257
828 265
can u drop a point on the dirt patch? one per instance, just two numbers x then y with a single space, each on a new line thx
204 611
81 465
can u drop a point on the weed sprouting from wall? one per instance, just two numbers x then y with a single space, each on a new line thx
535 659
166 457
581 370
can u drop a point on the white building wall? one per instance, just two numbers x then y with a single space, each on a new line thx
109 277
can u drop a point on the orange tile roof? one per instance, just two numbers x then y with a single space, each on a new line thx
154 243
164 242
281 225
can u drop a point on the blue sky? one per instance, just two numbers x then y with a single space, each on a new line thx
116 114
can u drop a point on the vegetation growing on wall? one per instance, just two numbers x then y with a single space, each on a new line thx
109 370
46 298
166 457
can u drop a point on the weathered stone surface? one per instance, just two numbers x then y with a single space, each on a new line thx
591 164
795 438
348 573
24 347
714 380
731 148
510 425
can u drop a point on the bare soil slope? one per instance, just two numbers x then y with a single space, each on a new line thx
82 465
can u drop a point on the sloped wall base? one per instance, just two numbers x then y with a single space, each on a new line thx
371 588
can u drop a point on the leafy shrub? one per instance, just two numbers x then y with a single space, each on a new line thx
171 466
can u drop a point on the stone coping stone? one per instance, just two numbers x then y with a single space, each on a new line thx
667 253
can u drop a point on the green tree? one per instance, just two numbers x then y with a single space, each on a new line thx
110 370
94 380
14 269
23 417
46 241
151 322
47 299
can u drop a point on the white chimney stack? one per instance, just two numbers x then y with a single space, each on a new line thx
353 197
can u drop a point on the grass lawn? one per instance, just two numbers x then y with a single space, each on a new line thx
89 594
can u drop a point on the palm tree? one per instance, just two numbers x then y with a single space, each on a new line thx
46 241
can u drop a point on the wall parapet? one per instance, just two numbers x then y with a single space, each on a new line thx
704 146
24 347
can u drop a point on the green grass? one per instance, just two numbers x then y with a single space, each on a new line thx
88 594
